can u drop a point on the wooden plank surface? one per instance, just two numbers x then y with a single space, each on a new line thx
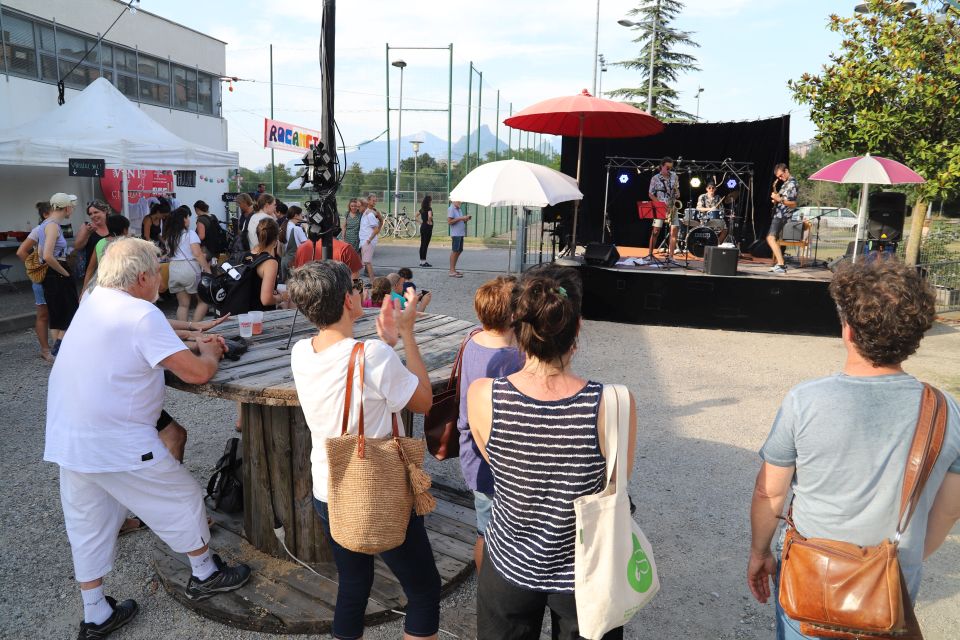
262 375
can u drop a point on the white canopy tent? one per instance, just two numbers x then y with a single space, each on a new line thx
100 122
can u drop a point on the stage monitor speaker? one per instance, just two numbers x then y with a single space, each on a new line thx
792 231
601 255
760 249
887 211
721 261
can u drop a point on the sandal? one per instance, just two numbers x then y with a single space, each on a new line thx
141 526
455 274
47 356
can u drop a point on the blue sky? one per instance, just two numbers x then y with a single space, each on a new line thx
528 49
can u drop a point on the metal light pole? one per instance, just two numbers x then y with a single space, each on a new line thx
699 91
596 47
653 49
400 64
416 157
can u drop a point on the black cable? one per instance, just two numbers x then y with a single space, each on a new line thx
61 87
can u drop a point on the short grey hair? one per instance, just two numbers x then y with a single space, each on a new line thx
121 266
318 289
371 195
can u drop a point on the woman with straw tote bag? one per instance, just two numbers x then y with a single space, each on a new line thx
615 573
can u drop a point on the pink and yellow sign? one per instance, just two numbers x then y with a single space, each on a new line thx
140 183
289 137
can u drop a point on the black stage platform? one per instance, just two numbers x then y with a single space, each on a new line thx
752 300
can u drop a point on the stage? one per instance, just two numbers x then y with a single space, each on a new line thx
683 295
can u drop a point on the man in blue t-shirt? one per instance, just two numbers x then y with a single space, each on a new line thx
841 442
458 229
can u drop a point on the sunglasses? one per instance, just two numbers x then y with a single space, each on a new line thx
358 285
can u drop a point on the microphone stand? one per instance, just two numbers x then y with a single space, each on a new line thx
748 187
816 243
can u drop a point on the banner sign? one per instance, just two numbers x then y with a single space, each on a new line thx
85 167
288 137
141 183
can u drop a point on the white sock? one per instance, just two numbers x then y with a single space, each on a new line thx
96 609
202 565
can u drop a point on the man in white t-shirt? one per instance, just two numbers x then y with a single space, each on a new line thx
370 224
102 431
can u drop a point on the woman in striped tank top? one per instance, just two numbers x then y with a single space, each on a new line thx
541 431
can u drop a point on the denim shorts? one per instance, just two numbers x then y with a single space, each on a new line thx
483 505
776 226
456 244
38 294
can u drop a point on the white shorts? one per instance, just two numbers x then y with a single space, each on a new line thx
164 496
183 276
366 252
657 223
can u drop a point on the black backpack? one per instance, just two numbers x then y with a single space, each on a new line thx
214 238
225 487
229 287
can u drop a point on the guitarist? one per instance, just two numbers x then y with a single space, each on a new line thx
784 200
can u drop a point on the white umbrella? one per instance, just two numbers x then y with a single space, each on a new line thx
515 183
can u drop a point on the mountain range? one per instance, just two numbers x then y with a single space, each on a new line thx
373 155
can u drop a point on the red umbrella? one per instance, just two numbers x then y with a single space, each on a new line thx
583 116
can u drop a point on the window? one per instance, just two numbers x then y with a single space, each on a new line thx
185 88
155 92
127 85
153 68
206 93
125 60
18 46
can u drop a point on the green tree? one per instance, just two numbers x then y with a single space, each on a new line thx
352 180
893 90
668 61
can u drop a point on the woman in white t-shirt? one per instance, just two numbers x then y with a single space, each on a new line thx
325 294
293 236
187 262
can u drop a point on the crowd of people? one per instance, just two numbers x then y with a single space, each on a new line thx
530 428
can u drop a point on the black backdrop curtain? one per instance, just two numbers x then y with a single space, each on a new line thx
762 142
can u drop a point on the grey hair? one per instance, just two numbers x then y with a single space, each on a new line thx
318 289
371 195
127 258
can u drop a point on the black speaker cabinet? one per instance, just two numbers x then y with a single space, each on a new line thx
887 210
721 261
601 255
793 231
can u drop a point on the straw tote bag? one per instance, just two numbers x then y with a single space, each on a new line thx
615 574
836 589
373 483
440 422
36 270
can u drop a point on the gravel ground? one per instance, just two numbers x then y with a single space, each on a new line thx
706 400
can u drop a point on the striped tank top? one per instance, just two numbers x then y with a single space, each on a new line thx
543 454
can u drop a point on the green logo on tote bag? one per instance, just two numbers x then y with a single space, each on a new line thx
639 571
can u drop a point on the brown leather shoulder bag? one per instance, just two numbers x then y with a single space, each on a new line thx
841 590
440 422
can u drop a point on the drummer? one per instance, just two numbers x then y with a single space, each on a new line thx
710 201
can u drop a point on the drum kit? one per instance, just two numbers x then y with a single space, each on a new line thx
702 229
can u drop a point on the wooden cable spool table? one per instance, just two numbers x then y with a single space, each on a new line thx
282 596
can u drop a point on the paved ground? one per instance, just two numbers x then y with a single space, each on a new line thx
706 401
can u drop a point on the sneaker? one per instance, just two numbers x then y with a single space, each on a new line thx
122 614
425 264
779 269
226 578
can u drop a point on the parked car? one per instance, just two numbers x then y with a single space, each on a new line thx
833 217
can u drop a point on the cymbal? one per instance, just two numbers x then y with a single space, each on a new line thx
731 197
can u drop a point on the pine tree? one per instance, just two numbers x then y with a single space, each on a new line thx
668 62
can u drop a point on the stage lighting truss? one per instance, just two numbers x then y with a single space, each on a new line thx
701 167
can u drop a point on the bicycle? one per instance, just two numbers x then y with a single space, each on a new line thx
399 226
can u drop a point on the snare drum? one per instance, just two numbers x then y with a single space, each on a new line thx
691 217
714 220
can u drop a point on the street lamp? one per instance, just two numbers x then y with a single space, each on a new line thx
416 156
400 64
653 48
699 91
603 70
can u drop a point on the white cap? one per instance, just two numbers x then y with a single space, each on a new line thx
62 200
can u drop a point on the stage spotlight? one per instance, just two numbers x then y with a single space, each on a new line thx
732 183
695 182
624 178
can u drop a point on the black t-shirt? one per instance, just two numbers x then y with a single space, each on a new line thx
423 216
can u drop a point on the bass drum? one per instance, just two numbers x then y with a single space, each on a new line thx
699 239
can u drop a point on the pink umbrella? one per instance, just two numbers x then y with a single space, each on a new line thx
866 170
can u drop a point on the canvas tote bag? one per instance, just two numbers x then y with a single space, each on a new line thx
373 483
615 574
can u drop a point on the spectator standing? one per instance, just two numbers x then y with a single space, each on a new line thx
458 229
492 353
351 224
108 449
246 205
117 226
426 228
90 233
370 225
841 442
58 288
293 235
325 294
153 222
187 262
41 325
541 430
209 231
265 208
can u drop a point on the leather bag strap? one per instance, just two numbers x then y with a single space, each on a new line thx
458 363
355 354
924 451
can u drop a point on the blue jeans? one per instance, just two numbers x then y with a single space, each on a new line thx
787 628
483 505
412 562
